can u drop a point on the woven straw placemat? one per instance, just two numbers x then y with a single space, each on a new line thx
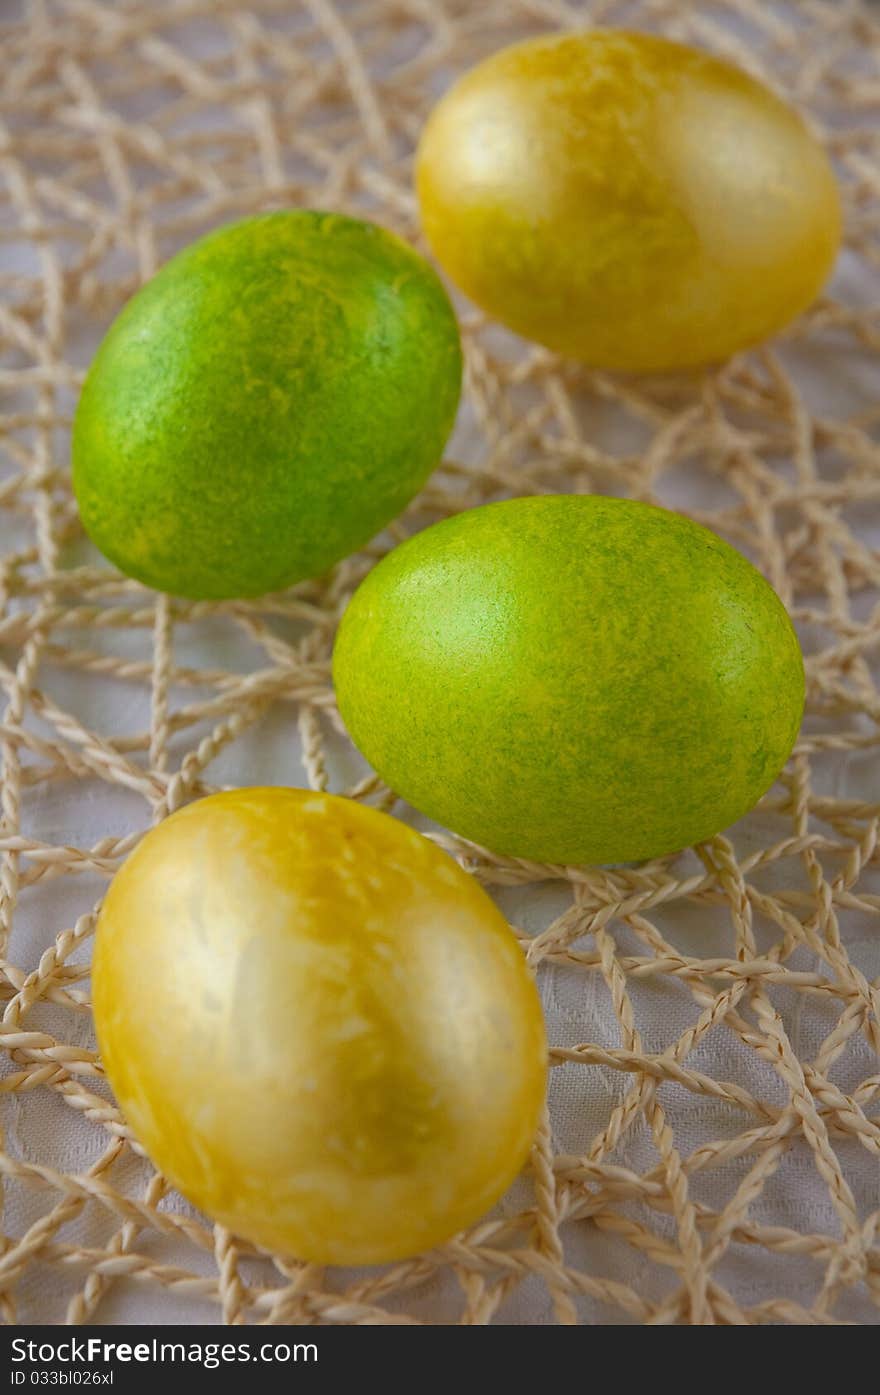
713 1140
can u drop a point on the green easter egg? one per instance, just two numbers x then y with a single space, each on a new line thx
571 678
273 397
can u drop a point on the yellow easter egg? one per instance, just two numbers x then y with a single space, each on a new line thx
625 200
319 1027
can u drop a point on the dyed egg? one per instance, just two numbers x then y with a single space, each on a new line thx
320 1028
625 200
571 678
269 401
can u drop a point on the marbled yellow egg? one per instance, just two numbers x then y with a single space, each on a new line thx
628 201
319 1027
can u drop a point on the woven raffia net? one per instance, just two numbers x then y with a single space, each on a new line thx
127 130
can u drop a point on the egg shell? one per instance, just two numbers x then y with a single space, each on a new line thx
320 1028
273 397
626 200
571 679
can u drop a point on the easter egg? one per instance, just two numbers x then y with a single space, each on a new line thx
268 402
571 679
319 1027
625 200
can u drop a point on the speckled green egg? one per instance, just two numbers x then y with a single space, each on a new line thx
266 404
571 678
